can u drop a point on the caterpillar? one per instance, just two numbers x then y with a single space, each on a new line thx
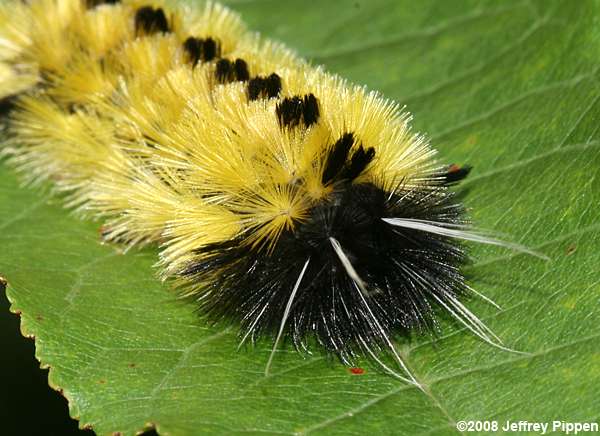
284 199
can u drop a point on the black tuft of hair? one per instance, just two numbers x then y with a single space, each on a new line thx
336 159
406 272
193 48
198 49
149 21
227 71
295 110
224 71
241 70
272 85
289 112
338 167
264 87
358 163
211 49
310 110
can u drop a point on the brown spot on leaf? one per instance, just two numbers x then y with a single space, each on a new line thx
571 249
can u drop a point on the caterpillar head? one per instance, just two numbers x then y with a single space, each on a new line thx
340 273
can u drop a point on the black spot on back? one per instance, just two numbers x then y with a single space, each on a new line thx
193 49
336 159
337 164
198 49
241 70
273 85
228 71
292 111
224 71
90 4
310 110
289 112
358 162
210 49
264 87
149 21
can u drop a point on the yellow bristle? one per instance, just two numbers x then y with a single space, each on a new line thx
136 134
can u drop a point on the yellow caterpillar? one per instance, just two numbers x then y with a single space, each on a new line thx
284 199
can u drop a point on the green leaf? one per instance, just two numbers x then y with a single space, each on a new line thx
511 88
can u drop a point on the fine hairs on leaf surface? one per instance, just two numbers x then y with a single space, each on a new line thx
115 316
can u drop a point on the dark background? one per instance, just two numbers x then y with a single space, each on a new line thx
28 406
